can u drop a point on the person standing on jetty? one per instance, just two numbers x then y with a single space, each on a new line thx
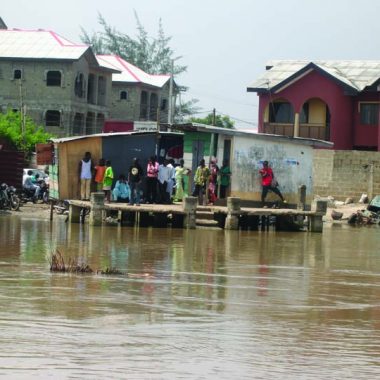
135 176
268 182
200 179
99 174
107 181
151 180
85 170
225 178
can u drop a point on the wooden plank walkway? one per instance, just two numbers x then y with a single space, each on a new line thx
185 214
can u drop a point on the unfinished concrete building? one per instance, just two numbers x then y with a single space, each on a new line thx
59 84
137 95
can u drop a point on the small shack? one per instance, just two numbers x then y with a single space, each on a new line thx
119 148
291 158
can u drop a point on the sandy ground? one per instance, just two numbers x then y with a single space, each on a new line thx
40 211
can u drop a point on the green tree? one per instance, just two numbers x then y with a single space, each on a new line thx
10 128
151 54
220 121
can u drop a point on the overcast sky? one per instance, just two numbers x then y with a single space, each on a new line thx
224 43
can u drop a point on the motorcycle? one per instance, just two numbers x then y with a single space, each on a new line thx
29 195
9 198
44 191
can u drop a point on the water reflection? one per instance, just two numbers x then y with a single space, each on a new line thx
193 304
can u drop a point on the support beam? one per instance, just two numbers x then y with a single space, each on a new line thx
74 214
97 207
296 132
190 208
233 212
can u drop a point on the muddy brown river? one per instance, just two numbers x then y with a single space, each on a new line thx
201 304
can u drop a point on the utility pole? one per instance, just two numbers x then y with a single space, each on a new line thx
214 117
170 111
22 112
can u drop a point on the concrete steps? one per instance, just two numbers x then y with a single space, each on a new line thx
205 217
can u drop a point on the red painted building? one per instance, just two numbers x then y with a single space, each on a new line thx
336 101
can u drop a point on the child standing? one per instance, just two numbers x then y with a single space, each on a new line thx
107 181
99 174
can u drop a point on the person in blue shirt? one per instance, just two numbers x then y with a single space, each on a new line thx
121 191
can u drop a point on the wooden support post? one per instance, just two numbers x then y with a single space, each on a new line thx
160 219
145 219
74 214
253 222
97 207
177 220
233 213
190 208
301 197
128 218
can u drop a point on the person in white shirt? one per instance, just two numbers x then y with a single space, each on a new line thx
27 183
164 175
85 170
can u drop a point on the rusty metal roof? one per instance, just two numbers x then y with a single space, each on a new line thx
356 75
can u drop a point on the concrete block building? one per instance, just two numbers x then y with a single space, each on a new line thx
59 84
136 95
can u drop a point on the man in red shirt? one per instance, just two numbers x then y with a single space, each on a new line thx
268 182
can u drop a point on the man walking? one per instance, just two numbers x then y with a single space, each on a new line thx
268 182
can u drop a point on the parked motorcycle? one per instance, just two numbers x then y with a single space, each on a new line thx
9 198
28 195
44 191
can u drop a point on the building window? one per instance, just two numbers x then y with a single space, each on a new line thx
53 78
53 118
281 112
164 104
17 74
369 114
79 86
123 95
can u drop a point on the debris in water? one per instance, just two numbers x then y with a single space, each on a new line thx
57 264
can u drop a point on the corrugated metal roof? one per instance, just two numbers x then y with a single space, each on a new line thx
38 44
355 74
130 73
251 133
72 138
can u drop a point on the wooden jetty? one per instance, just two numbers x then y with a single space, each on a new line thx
232 217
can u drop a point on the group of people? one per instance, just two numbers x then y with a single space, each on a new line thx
164 182
212 179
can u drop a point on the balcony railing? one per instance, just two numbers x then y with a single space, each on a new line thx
311 131
279 129
314 131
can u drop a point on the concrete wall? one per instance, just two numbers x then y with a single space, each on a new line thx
343 174
292 165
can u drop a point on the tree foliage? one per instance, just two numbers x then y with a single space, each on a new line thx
220 121
151 54
10 128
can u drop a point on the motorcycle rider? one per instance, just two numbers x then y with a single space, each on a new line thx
27 183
